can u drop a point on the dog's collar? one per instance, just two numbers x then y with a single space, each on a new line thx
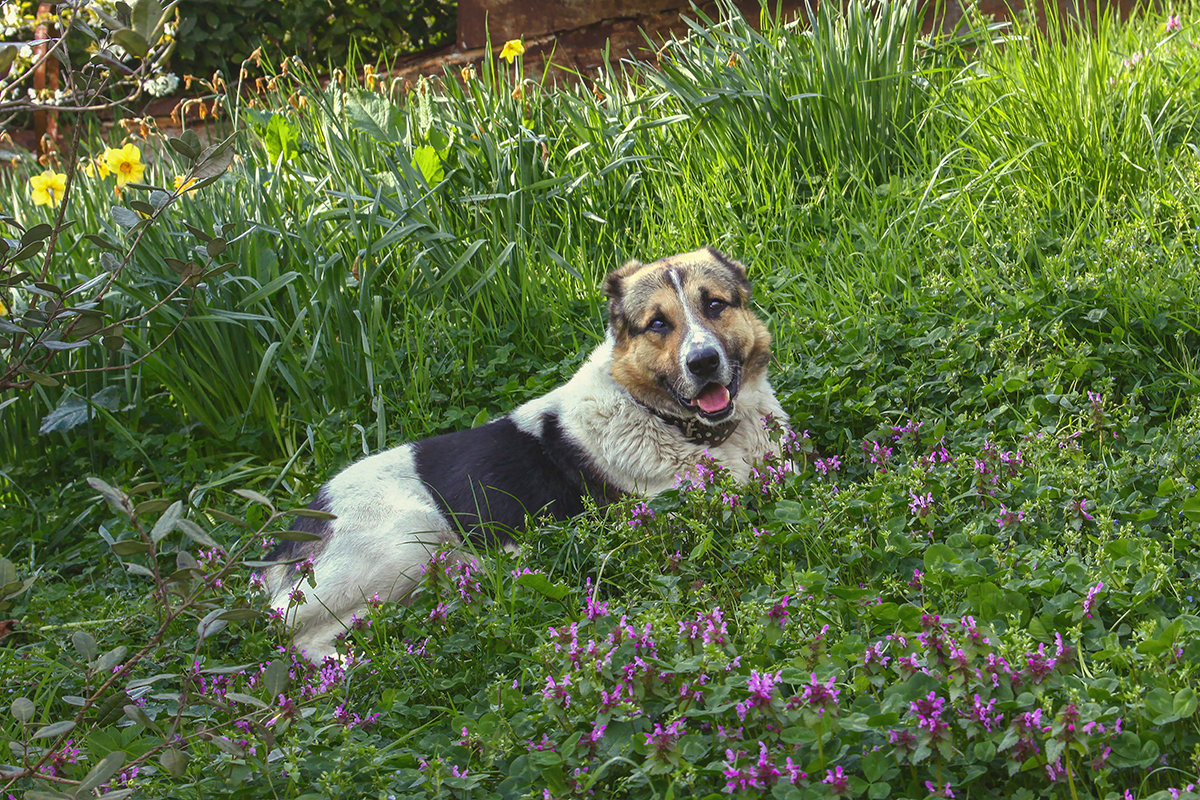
696 431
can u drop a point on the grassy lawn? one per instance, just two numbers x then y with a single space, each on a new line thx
974 575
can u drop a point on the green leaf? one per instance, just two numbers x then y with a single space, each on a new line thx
274 679
184 147
84 644
214 160
240 614
254 497
134 43
246 699
146 18
54 729
71 413
194 532
937 554
790 512
1184 703
167 522
428 162
374 115
110 659
542 585
22 709
174 762
281 140
311 513
139 715
211 623
1159 644
114 497
99 775
130 547
36 233
1191 507
124 217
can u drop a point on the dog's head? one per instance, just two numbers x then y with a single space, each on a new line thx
685 337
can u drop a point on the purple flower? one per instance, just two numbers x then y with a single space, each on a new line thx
1008 518
762 690
709 627
762 685
663 740
838 782
828 465
1089 602
558 690
877 454
911 427
1039 665
1079 509
928 711
921 505
641 514
984 714
820 697
936 792
1173 24
593 609
598 729
779 612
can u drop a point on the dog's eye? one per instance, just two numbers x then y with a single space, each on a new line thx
658 325
716 306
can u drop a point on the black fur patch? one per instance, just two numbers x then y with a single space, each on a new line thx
286 550
736 269
485 480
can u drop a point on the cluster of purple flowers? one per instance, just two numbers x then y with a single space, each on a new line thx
761 686
828 465
641 514
879 456
771 474
759 774
661 741
707 472
453 571
708 626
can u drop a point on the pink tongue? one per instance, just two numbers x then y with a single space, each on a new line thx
713 398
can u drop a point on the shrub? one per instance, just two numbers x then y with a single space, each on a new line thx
219 34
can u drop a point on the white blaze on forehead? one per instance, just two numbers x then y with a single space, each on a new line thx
696 335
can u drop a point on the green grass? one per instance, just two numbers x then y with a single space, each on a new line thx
993 233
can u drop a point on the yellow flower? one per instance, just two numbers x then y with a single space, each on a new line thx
184 185
512 49
3 308
96 167
125 163
48 188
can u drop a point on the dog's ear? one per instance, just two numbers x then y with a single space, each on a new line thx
736 268
614 290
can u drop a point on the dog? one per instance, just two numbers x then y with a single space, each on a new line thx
682 372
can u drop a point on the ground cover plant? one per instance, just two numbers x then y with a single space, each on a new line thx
970 571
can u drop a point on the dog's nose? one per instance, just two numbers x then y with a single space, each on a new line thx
704 363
